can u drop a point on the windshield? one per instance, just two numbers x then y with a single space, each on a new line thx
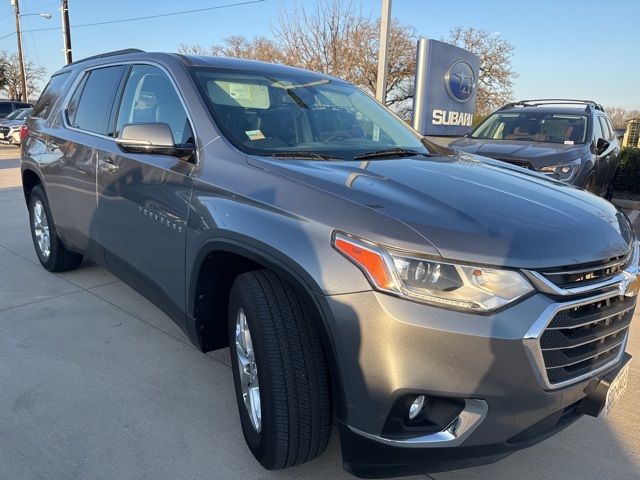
301 115
13 115
533 127
22 113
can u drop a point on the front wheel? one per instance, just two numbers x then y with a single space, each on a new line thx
279 370
52 254
590 184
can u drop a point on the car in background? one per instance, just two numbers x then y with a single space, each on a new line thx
8 106
572 141
10 127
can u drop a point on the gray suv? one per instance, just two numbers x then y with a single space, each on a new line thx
569 140
445 306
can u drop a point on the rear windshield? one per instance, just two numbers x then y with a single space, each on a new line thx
533 127
265 114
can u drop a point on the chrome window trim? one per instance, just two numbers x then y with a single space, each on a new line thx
474 412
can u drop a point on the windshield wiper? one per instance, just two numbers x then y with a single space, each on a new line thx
304 155
390 153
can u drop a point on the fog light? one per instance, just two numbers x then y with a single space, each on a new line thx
416 407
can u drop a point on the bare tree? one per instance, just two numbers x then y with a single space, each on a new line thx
329 38
620 116
335 38
332 37
401 65
13 83
496 76
238 46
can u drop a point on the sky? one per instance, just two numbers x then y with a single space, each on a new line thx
581 49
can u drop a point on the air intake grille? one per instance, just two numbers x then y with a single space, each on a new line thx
586 274
582 339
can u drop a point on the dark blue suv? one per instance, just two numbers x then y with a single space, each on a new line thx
569 140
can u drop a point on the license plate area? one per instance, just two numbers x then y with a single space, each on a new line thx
617 387
606 394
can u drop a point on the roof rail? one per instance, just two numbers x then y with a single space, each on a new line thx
553 101
108 54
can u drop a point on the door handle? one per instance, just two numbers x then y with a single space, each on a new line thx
108 165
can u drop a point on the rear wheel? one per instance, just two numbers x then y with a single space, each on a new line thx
279 370
52 254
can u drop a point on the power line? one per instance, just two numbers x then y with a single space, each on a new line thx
143 18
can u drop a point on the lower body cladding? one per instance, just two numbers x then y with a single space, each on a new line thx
427 389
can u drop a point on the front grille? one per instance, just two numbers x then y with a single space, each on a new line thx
585 332
517 162
586 274
585 338
4 130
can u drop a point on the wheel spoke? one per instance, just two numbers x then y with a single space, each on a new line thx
41 229
248 370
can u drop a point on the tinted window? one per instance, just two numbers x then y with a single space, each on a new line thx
606 128
96 100
297 112
149 96
5 108
533 126
597 129
50 95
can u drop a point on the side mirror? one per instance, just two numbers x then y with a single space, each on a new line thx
601 146
153 138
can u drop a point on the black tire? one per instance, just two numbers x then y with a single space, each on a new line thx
590 184
52 254
288 361
611 186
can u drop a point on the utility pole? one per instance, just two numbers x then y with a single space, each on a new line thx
381 84
23 75
66 31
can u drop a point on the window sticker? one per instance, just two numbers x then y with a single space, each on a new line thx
255 135
240 92
236 94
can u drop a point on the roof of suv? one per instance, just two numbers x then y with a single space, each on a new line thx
554 105
200 60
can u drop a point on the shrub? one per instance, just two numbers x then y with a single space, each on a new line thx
628 179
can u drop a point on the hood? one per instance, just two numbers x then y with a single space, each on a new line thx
11 123
474 211
539 154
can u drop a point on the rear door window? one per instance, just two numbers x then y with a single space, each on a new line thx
91 106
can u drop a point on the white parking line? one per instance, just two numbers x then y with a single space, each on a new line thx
633 215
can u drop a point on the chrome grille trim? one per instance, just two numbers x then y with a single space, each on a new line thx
614 348
604 266
548 287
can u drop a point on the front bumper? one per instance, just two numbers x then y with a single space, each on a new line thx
388 348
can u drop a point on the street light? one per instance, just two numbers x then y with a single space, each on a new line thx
23 74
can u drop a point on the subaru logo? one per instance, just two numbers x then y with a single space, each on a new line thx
460 81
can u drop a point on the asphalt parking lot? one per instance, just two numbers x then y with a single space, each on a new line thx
96 383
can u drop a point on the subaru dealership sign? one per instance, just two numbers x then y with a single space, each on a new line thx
446 85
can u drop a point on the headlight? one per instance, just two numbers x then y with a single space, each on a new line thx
448 285
564 172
